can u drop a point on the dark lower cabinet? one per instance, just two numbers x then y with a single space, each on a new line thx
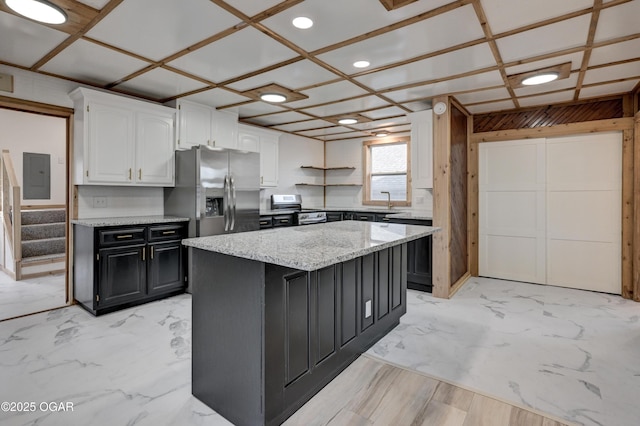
286 333
419 258
123 266
122 275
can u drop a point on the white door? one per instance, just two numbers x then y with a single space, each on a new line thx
268 161
224 129
154 149
584 217
512 210
194 126
550 211
248 140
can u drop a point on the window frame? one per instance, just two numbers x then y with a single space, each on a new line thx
366 162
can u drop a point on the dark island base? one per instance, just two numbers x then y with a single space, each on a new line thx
267 338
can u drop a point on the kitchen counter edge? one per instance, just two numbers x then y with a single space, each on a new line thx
128 220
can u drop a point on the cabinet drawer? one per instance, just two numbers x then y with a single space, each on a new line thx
283 220
266 222
121 236
166 232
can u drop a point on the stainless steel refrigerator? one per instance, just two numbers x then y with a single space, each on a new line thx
217 188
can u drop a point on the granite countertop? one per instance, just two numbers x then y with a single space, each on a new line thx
312 247
416 215
132 220
275 212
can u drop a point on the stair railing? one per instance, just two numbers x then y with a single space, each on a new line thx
11 213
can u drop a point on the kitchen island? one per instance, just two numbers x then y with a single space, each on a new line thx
277 314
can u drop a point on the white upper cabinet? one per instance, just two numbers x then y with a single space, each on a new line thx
121 141
422 149
154 144
204 125
251 138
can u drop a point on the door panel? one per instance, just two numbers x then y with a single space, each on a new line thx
36 176
244 171
297 332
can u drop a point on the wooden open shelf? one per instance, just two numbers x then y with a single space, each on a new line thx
328 184
328 168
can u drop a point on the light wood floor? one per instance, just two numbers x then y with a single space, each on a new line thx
372 392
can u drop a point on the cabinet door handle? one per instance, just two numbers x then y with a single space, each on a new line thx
168 232
122 237
139 174
284 220
213 143
151 252
144 254
261 179
129 173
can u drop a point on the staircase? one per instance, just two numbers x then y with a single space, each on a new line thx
43 242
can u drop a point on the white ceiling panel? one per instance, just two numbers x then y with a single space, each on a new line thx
483 96
240 53
96 4
457 62
384 112
387 123
256 108
409 42
418 105
607 89
547 39
252 7
24 42
327 131
550 98
504 15
216 98
479 81
285 117
331 27
618 21
160 83
490 107
615 52
299 74
93 63
615 72
359 104
574 58
307 124
329 93
157 29
566 83
342 137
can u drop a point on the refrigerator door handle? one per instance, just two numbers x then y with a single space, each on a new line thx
226 201
233 203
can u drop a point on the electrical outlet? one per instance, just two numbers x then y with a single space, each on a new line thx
99 202
367 309
419 200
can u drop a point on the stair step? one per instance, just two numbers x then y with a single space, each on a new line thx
43 230
47 258
43 247
31 217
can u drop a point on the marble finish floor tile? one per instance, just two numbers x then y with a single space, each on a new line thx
31 295
131 367
570 353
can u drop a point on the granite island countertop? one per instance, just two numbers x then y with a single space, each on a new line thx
129 220
413 214
313 247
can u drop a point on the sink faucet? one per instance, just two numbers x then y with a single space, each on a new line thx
389 205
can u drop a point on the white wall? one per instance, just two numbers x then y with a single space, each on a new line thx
25 132
293 152
349 153
122 201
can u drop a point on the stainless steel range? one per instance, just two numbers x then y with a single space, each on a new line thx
293 202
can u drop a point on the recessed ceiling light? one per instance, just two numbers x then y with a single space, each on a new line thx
382 134
361 64
540 78
302 22
38 10
347 121
273 97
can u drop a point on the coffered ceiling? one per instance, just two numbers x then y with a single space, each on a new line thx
216 52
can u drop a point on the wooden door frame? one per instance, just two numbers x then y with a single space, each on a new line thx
21 105
630 179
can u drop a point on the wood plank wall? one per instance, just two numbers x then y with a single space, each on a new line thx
598 115
458 246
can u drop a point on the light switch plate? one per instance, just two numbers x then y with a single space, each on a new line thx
6 83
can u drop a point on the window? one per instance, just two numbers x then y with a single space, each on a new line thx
387 169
